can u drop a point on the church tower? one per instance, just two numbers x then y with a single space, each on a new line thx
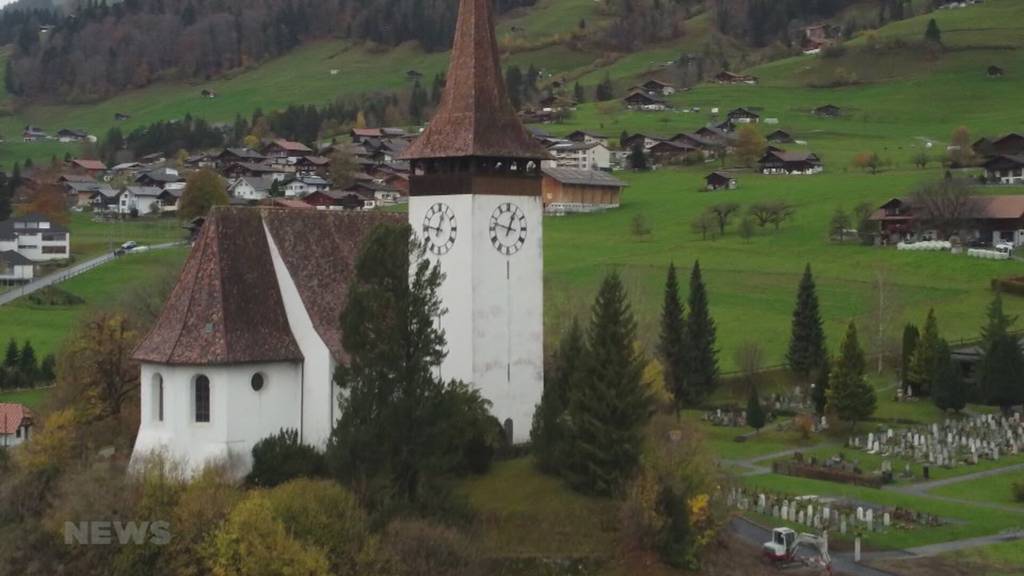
475 202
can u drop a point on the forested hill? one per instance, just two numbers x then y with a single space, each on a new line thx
98 50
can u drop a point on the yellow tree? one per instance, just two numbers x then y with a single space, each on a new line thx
750 144
96 372
204 189
960 151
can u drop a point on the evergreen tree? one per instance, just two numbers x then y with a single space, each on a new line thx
819 393
610 407
578 94
755 412
276 190
926 354
548 434
933 34
400 427
604 90
948 390
998 325
514 85
11 357
807 341
27 363
48 369
637 157
910 337
1002 378
701 340
850 396
672 344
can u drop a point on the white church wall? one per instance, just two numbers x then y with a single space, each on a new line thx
320 395
239 415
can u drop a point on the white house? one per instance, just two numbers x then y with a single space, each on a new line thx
35 237
591 155
251 187
305 185
15 268
141 199
15 424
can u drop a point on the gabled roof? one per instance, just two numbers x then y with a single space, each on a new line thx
77 178
89 164
12 258
720 174
144 191
1003 207
642 96
1004 161
577 177
743 112
290 146
12 416
241 153
475 117
214 316
784 156
258 183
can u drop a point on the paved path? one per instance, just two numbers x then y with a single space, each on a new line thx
943 547
68 273
920 488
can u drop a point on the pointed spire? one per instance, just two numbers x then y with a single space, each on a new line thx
475 117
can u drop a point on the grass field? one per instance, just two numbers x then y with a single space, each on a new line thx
91 237
33 399
47 326
995 489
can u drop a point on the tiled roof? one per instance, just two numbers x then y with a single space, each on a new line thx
577 177
12 416
12 258
475 117
89 164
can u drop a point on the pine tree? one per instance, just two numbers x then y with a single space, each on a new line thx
637 157
948 390
1002 379
578 94
610 408
850 396
999 324
922 369
27 363
11 357
276 190
807 341
910 337
755 412
819 392
548 435
701 339
933 34
672 344
48 369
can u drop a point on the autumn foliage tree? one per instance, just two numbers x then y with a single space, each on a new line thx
750 145
47 200
96 369
204 189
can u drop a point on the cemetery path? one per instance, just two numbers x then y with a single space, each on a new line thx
920 488
754 466
955 545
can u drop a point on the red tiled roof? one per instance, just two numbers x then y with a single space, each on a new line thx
475 117
12 416
290 145
89 164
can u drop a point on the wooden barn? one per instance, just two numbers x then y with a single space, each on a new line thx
572 190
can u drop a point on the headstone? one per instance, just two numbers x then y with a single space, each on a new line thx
860 514
842 524
886 520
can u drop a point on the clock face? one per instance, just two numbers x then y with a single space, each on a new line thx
508 228
439 229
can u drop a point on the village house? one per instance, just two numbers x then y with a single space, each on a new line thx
726 77
719 181
827 111
640 100
568 190
33 134
669 152
253 169
556 103
15 424
91 167
708 147
139 200
318 165
15 268
646 140
381 194
68 135
161 178
300 186
251 187
1004 169
1011 144
230 156
988 218
995 72
586 137
35 237
779 137
281 148
339 200
716 135
104 199
656 88
776 162
580 155
743 116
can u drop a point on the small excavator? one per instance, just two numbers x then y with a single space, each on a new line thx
782 550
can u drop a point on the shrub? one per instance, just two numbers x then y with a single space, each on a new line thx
1018 490
281 457
420 548
54 296
203 506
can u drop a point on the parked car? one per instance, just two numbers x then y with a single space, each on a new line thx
1004 247
129 245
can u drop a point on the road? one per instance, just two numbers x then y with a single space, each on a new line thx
67 273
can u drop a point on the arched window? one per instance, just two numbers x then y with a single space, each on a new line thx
202 398
158 397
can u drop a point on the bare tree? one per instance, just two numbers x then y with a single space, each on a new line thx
944 205
722 213
884 317
703 224
750 359
780 212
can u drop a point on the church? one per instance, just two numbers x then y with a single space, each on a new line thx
249 339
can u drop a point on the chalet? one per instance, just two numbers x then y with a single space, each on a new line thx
207 93
669 152
200 161
398 181
137 200
169 200
726 77
281 148
639 100
67 135
553 102
571 190
827 111
240 169
15 424
389 149
251 187
161 178
380 193
790 163
152 159
708 147
995 72
743 116
125 167
719 181
35 237
580 155
1005 169
719 137
313 164
413 74
303 185
33 134
656 88
646 140
1011 145
232 155
989 218
587 137
338 200
104 199
779 137
91 167
285 203
121 116
15 269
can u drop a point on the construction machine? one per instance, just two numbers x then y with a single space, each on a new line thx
785 542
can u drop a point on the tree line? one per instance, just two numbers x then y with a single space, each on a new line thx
100 49
22 369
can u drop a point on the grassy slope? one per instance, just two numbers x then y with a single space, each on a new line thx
992 489
47 326
91 237
34 399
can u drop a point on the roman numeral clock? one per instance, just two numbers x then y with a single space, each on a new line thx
508 228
